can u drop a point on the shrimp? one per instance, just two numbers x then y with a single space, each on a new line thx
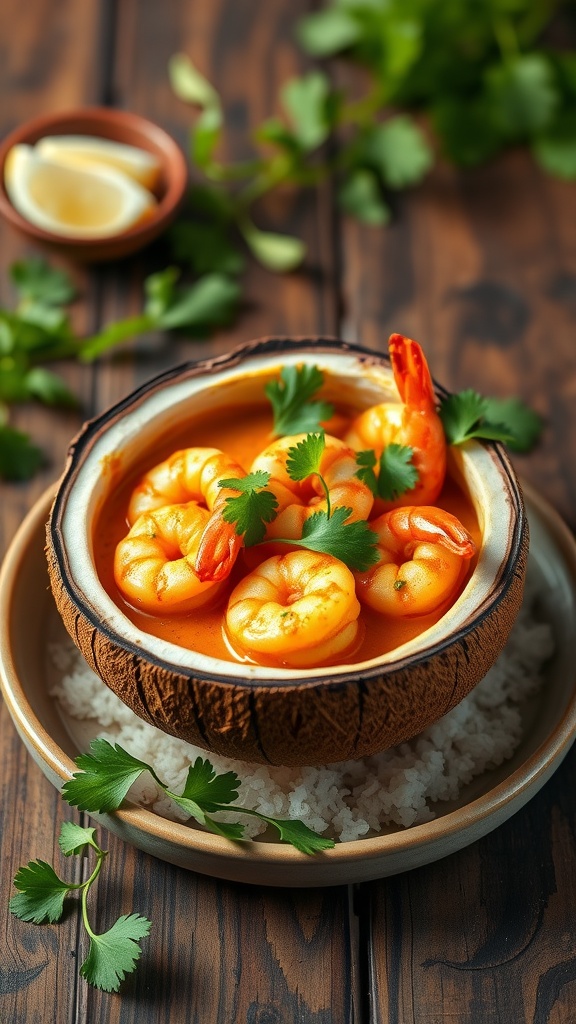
154 563
414 422
298 610
297 500
194 474
424 552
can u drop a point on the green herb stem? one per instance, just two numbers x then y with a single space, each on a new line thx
85 886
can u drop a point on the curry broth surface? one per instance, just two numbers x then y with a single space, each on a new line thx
242 433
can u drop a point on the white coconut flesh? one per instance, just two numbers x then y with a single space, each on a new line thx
477 469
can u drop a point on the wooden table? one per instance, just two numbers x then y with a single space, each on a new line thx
480 267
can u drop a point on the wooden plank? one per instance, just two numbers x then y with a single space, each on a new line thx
480 268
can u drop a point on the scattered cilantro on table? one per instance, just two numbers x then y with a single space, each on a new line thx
39 331
105 775
41 894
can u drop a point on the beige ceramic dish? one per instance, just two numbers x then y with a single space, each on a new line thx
28 618
249 712
116 126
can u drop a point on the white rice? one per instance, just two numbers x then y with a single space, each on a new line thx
395 788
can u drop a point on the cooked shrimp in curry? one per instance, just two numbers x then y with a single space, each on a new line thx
424 554
194 474
413 422
298 609
297 500
154 563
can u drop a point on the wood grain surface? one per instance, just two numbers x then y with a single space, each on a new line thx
481 267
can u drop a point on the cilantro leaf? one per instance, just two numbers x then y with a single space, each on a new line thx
42 893
305 456
104 778
299 835
38 282
353 543
208 789
290 396
523 94
469 415
19 458
74 839
114 954
252 509
306 102
524 425
397 473
399 152
280 253
360 195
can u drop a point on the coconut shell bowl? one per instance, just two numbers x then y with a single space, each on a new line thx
254 712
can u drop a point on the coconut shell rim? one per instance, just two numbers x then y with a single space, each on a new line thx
80 446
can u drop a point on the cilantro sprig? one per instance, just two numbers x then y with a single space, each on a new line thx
468 415
294 412
252 508
354 543
41 894
108 771
39 331
396 474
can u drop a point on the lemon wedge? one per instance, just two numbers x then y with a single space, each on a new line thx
78 203
88 151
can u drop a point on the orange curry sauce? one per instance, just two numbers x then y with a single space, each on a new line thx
242 434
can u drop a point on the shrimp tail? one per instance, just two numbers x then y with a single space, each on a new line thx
433 525
218 550
411 373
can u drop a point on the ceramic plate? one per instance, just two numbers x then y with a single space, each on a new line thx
27 620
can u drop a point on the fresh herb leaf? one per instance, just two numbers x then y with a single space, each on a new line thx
280 253
306 101
290 396
252 508
366 462
104 779
114 954
398 151
396 472
329 31
353 543
189 84
523 424
360 195
42 893
469 415
49 388
40 283
74 839
207 789
523 95
305 456
108 771
19 458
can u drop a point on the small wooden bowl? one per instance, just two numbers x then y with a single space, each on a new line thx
249 712
117 126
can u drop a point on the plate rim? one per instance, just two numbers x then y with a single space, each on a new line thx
515 788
